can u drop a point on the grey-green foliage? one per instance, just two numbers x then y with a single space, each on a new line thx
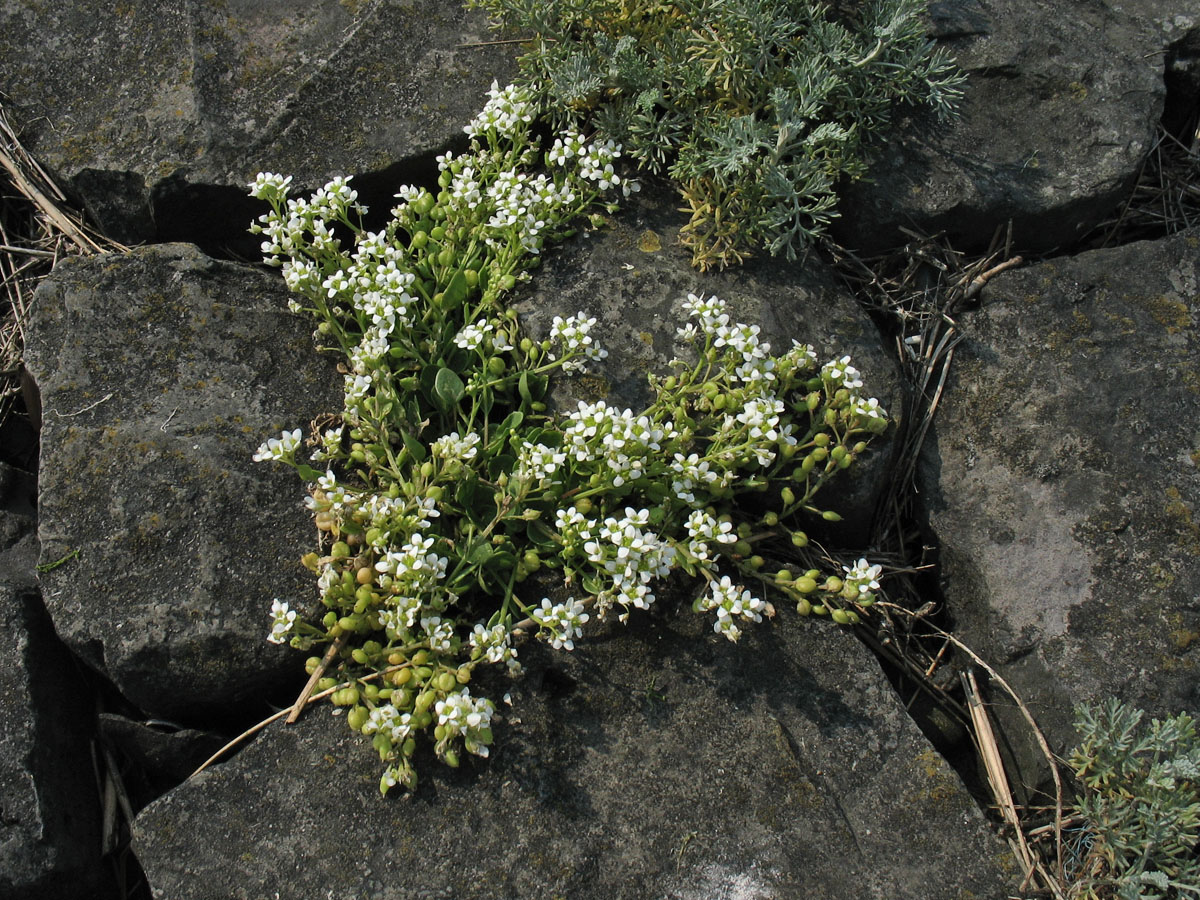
1141 802
757 108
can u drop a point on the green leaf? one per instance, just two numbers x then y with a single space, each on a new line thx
414 447
511 421
481 553
456 292
308 473
448 389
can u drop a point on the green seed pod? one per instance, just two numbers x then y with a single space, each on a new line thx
840 616
820 454
496 366
423 673
424 701
360 656
402 677
419 240
812 401
831 417
420 657
838 453
742 548
446 682
860 448
799 539
805 585
804 607
783 576
451 759
583 506
833 584
532 561
446 257
439 732
820 610
371 691
830 516
508 282
463 675
438 233
852 617
357 718
326 682
771 518
526 345
435 492
472 277
330 619
339 550
311 664
788 496
756 562
809 463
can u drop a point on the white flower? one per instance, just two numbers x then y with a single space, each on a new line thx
563 622
840 373
280 448
861 582
269 186
732 602
452 447
282 620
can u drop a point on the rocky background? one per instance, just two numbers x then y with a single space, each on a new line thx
1057 492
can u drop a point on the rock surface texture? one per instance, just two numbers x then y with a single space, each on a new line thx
1064 480
148 112
656 761
160 373
1058 115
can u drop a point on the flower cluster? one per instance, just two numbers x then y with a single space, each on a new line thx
561 623
444 483
732 602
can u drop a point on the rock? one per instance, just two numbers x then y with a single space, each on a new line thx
1058 114
50 832
149 109
160 373
657 760
633 276
1065 481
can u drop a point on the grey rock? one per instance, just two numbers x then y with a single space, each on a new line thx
138 107
50 834
1059 112
656 760
160 373
1065 481
633 275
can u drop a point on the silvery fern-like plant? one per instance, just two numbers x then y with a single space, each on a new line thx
756 108
1140 802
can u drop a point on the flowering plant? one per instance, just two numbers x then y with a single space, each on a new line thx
446 483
